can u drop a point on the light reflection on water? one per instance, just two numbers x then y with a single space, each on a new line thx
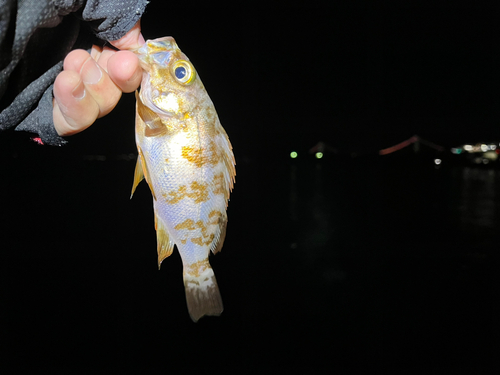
309 206
478 205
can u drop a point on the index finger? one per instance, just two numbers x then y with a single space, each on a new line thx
132 39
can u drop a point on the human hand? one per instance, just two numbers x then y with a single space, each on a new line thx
90 85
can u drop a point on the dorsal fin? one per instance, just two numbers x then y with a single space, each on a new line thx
221 234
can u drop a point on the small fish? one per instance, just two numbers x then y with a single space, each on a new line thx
187 161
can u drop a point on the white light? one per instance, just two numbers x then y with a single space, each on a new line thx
493 147
484 148
467 147
485 161
437 161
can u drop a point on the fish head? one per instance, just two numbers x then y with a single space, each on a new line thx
170 84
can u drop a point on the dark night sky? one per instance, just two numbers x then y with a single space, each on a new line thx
347 76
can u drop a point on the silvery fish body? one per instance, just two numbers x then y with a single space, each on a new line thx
187 160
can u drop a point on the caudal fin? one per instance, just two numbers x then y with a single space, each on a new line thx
202 293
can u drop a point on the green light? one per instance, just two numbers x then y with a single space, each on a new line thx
319 155
459 150
293 154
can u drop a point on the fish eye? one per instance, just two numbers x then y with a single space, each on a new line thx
180 72
183 72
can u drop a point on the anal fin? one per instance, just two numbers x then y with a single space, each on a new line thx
165 246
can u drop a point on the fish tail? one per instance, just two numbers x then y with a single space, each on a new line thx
202 293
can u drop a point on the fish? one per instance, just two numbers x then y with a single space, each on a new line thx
187 160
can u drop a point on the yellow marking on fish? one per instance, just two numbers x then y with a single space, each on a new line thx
214 215
198 192
218 182
198 157
155 48
208 238
196 269
214 155
200 224
186 224
176 196
193 155
197 241
205 238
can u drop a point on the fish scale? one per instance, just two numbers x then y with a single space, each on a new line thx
187 160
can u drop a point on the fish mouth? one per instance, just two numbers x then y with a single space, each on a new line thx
160 50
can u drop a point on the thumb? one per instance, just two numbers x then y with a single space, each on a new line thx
132 39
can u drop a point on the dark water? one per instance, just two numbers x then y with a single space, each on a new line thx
384 263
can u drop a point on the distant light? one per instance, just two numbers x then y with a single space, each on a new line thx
467 147
457 151
437 161
485 161
293 154
484 148
491 155
319 155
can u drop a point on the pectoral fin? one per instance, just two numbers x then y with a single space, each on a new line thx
154 126
141 171
138 176
164 244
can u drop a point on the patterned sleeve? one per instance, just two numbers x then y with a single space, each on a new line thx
113 18
49 28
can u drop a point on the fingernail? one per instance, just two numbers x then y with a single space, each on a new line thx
79 91
91 73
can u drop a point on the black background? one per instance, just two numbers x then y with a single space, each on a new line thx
340 263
